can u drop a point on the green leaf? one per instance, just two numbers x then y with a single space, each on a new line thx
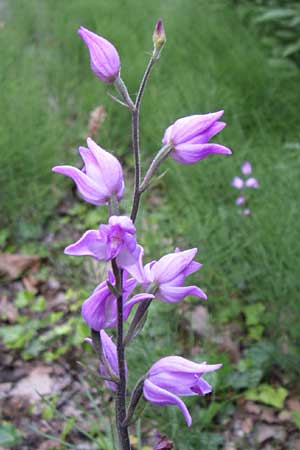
23 299
39 304
296 418
275 15
9 435
253 313
68 426
268 395
4 235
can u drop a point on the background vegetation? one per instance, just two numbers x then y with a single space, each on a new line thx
239 56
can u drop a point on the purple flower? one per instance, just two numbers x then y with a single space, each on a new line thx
252 183
104 58
174 376
115 240
241 200
100 309
247 212
111 359
168 275
189 137
246 168
101 177
237 183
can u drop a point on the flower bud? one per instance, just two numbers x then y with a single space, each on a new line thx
159 38
104 58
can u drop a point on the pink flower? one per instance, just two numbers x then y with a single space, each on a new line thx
168 275
240 200
189 137
175 376
246 168
115 240
104 58
101 177
247 212
237 183
100 309
252 183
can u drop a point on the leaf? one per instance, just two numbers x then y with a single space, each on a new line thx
9 435
256 332
268 395
292 48
296 418
253 313
23 299
275 15
39 304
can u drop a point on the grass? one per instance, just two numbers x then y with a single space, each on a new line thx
210 62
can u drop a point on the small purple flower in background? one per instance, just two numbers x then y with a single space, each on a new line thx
104 58
111 359
189 137
100 309
175 376
246 168
252 183
240 200
101 177
237 183
168 275
115 240
241 184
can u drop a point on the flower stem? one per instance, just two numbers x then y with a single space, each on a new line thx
120 398
136 141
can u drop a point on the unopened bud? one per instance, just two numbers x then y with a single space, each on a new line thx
159 38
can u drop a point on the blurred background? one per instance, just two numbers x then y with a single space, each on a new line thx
242 56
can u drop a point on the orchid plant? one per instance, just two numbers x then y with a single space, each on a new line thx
129 282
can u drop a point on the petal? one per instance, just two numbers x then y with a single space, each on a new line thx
201 387
110 351
90 244
133 301
187 128
173 294
161 397
171 265
180 364
193 267
109 169
93 308
124 222
192 153
132 262
237 183
91 192
204 137
167 136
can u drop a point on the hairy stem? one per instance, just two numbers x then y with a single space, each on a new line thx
136 141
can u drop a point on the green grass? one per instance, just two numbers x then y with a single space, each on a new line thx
211 61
